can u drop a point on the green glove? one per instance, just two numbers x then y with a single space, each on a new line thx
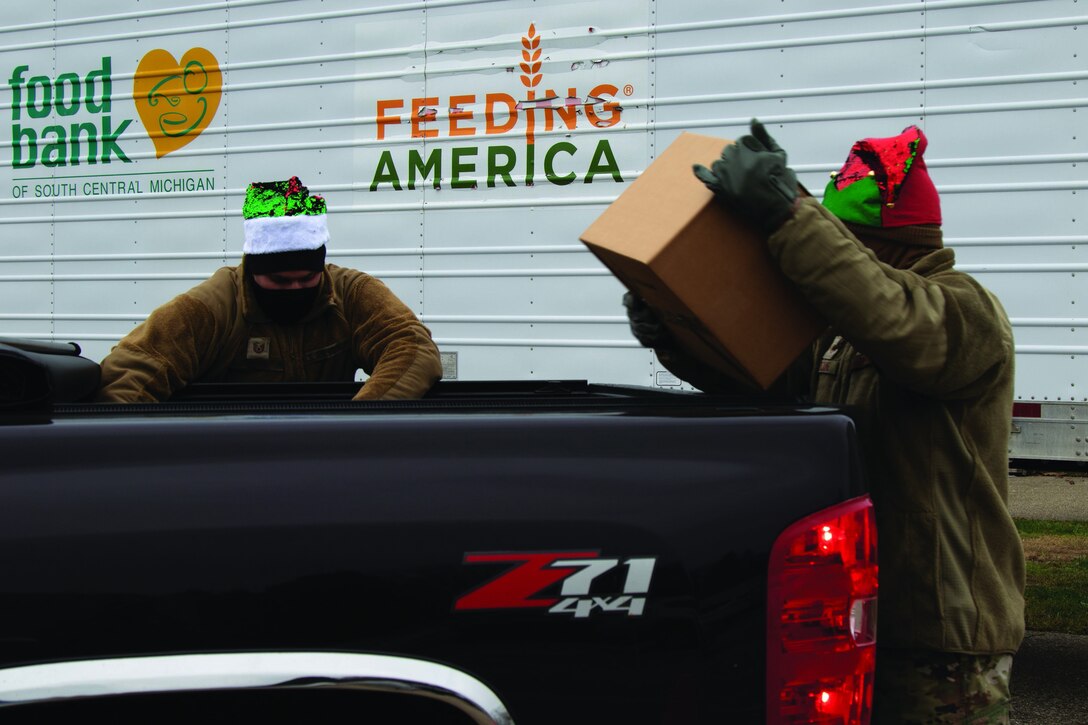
645 324
752 179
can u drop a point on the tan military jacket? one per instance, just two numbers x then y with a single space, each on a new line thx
923 358
215 332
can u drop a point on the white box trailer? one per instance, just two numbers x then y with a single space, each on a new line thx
463 145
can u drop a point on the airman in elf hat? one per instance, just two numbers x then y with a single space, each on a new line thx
922 357
283 315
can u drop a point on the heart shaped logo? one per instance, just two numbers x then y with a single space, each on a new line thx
176 100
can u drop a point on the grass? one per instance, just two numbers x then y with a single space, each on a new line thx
1057 575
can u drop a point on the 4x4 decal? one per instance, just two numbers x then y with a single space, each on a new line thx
522 585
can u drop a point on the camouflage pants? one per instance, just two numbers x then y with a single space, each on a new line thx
924 688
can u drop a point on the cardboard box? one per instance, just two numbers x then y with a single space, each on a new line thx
707 274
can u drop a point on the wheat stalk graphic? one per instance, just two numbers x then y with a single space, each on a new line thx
530 58
530 77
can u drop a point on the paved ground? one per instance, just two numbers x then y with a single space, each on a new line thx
1061 496
1050 680
1050 673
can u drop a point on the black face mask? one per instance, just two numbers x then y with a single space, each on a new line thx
285 305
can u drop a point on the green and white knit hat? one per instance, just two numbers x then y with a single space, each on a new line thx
285 228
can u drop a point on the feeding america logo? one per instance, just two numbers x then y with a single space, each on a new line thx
520 159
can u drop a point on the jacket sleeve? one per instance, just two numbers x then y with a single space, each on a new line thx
939 335
161 356
392 345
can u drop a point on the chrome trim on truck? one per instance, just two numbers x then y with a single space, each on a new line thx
130 675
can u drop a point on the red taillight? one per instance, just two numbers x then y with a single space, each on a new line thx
821 618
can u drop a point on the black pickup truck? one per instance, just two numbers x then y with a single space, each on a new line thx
530 552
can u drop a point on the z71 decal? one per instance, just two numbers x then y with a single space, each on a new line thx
587 583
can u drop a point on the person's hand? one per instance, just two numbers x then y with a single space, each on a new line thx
753 180
646 326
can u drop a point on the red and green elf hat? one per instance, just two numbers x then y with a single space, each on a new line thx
884 183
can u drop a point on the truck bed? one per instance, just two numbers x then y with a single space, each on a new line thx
434 530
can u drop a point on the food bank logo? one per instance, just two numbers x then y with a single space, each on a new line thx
68 120
494 115
36 98
176 100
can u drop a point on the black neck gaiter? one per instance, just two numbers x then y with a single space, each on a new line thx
285 305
